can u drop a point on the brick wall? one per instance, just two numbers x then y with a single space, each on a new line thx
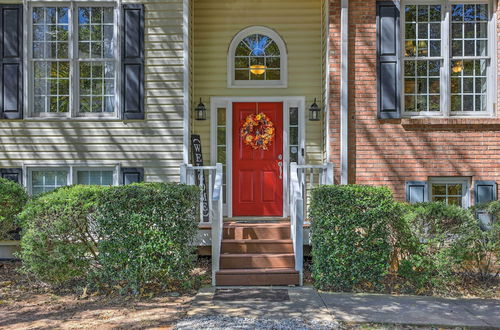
390 152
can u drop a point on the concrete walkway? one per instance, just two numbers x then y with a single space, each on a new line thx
307 304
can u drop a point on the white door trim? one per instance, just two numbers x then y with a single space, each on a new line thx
227 103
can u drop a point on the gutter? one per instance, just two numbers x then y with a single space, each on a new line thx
344 92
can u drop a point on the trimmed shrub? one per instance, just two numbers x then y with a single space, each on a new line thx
146 234
12 200
59 241
351 232
442 232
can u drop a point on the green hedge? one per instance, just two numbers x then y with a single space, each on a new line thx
132 238
351 233
451 245
146 233
12 200
59 241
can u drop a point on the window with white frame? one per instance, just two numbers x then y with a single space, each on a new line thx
446 58
451 191
46 179
257 58
73 60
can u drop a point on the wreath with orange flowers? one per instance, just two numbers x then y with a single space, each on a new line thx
258 131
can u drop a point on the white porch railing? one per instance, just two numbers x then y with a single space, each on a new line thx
303 178
209 179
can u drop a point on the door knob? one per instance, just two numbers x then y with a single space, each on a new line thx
280 156
280 165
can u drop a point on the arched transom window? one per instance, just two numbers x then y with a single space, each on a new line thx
257 58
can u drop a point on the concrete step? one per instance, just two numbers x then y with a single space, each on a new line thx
240 231
236 246
259 276
257 260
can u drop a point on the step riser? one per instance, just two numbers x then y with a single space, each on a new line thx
257 247
256 233
257 279
251 262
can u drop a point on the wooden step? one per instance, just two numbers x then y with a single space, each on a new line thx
257 260
259 276
256 246
240 231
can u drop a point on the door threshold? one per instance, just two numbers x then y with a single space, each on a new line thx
257 219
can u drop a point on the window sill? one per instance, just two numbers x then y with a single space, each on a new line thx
481 124
97 118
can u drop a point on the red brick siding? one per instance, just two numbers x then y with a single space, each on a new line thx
390 152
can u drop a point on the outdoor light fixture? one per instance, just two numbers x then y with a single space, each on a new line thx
314 111
258 69
200 111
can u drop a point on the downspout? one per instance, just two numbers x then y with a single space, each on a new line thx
187 76
344 92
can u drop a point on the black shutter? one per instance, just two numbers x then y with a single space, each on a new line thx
133 62
13 174
11 52
485 191
388 65
132 175
416 192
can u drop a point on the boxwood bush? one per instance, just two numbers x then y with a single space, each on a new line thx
146 233
127 238
351 233
12 200
59 238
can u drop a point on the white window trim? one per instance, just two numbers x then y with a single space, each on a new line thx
465 182
282 83
73 112
445 105
72 170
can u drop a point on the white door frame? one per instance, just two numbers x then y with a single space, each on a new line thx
227 103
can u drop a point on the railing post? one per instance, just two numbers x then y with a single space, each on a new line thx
217 222
183 174
299 238
329 174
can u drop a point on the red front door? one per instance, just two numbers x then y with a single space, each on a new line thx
257 177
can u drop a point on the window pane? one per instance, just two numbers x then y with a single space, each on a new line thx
50 32
97 92
96 41
469 30
422 85
100 178
221 136
422 39
44 181
254 56
439 189
468 85
221 116
96 32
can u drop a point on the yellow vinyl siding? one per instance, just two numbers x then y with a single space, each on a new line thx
298 22
155 143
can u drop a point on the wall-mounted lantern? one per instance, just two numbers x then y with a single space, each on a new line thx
314 111
200 111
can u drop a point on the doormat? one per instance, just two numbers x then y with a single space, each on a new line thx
270 295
